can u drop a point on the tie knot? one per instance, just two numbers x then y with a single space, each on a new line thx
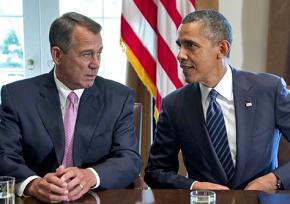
72 97
213 94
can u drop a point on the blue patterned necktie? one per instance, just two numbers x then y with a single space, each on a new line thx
218 134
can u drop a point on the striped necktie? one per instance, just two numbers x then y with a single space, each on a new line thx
218 134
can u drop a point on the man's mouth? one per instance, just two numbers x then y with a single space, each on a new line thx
91 76
184 66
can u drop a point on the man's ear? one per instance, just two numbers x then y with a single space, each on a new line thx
56 54
224 49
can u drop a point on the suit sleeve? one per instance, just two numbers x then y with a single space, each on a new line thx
123 164
11 152
162 169
282 115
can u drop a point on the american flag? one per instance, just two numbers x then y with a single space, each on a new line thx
148 35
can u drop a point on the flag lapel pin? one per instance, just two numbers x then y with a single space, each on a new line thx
249 104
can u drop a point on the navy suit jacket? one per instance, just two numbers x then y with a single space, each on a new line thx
32 132
182 126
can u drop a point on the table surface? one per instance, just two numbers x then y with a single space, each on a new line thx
157 197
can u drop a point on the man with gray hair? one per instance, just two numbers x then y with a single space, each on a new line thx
227 123
69 131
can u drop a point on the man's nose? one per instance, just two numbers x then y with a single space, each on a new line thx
95 61
181 55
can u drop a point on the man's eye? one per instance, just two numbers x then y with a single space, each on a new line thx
86 55
191 46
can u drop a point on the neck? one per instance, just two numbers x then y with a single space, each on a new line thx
216 76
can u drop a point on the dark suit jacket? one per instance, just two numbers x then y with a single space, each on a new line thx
32 132
182 126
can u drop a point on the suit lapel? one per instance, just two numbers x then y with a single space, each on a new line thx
89 115
245 104
49 109
196 119
90 109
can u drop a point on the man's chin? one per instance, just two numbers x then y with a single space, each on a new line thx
190 80
86 84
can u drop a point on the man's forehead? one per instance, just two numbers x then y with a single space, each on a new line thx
190 26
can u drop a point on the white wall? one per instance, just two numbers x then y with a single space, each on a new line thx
249 20
38 15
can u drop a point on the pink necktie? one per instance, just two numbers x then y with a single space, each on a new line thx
69 126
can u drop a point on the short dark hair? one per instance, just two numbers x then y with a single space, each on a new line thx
214 25
60 33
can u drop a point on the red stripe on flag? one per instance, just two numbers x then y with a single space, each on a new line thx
168 61
149 10
139 50
170 7
158 102
193 3
158 105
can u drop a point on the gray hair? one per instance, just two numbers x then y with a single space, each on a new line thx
61 30
214 25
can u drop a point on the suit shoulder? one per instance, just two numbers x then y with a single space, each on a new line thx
258 76
181 92
108 85
27 83
258 79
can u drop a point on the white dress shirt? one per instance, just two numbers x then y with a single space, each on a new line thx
225 99
63 92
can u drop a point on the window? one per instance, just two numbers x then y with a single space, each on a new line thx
11 41
107 13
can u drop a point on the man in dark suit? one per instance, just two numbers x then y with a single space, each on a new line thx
33 146
255 109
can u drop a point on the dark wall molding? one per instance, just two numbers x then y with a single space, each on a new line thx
278 52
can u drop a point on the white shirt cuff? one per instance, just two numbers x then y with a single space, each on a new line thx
97 178
191 187
20 187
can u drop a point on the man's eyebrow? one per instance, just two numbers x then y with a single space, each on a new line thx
92 50
186 41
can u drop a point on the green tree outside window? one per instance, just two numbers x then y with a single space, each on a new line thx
11 51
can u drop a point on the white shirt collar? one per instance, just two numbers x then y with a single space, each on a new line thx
224 87
64 91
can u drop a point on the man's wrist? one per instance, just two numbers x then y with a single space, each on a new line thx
21 186
29 190
97 178
279 185
192 185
